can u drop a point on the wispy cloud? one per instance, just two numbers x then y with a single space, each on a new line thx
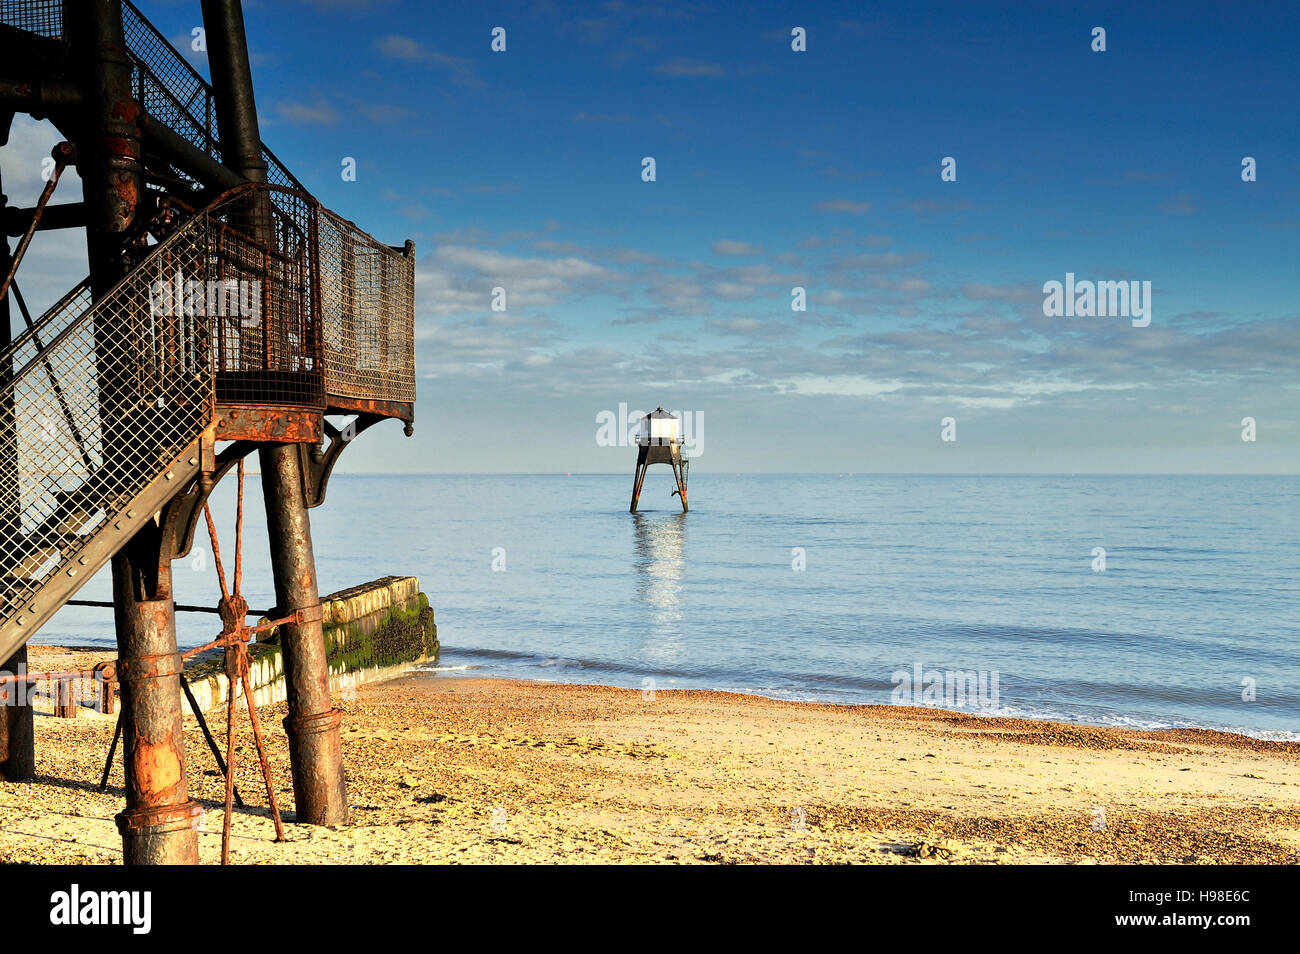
729 247
932 207
319 112
687 67
843 206
397 47
1180 203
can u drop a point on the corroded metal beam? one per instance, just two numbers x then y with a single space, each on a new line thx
267 422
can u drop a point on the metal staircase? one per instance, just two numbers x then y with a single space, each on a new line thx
102 417
108 408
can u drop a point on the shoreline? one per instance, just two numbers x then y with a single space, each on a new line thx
463 768
1266 735
85 652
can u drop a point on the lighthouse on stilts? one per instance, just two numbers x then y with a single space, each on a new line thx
660 442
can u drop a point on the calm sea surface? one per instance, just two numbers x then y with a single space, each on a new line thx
1194 614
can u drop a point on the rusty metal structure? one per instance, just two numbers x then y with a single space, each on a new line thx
226 312
660 442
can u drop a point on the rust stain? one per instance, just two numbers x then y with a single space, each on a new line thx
127 109
269 422
158 766
127 190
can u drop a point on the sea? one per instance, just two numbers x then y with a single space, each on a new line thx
1138 601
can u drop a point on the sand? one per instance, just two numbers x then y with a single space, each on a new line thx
454 769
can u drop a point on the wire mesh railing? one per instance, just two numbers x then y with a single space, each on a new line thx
260 300
169 88
263 297
367 314
97 400
172 92
42 17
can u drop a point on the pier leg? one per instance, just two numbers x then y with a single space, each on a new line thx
638 478
17 742
315 748
160 823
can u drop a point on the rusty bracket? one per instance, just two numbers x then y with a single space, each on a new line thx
309 614
318 461
166 817
184 511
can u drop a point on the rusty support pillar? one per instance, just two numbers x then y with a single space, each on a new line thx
315 748
159 825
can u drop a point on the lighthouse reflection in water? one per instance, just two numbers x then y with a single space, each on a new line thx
659 561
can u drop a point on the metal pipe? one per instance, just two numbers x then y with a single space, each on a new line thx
40 98
17 741
62 153
187 157
67 215
179 607
315 747
232 88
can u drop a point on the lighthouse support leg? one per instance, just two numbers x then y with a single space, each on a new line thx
17 745
638 478
680 477
17 741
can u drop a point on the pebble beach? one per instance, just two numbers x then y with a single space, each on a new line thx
456 769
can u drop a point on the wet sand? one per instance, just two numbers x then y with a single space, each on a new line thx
453 769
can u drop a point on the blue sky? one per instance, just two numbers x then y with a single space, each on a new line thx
819 169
